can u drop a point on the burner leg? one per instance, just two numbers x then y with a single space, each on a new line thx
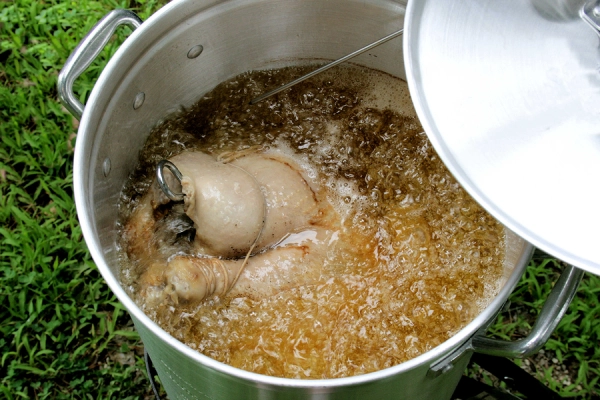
151 373
513 375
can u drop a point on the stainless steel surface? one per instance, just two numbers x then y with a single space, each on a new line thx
590 13
139 99
508 93
86 52
162 183
452 361
554 309
195 51
327 66
238 36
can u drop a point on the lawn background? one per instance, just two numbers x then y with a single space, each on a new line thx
62 332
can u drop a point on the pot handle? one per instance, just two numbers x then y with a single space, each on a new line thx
552 312
87 51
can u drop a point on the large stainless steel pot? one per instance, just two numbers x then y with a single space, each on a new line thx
160 68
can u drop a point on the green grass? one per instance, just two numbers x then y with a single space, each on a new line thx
574 343
62 332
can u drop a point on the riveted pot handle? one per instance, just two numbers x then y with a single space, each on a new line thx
87 51
554 309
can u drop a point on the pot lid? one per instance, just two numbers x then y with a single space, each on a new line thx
509 95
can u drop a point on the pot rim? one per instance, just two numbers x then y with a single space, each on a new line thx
82 163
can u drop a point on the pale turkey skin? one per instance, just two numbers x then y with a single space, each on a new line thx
261 228
265 274
224 201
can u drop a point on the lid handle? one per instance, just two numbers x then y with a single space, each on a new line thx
590 13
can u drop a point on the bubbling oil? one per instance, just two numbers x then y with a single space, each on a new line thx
421 259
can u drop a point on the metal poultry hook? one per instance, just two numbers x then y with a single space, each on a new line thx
162 183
